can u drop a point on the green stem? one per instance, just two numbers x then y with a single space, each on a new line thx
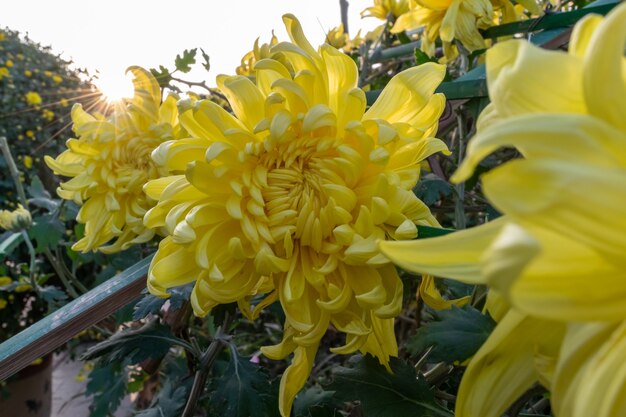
61 274
15 174
33 260
459 210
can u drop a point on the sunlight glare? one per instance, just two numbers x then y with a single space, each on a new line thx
114 86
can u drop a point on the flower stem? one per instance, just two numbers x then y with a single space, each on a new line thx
15 174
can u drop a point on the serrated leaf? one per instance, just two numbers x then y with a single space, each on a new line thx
153 340
242 390
107 384
162 75
36 189
169 402
421 57
47 231
184 63
431 188
386 394
456 335
148 304
207 63
52 294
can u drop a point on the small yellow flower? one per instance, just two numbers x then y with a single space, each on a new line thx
339 39
33 98
64 102
4 72
47 73
20 57
256 54
5 281
9 63
3 303
23 288
47 114
28 162
57 79
28 73
30 134
2 36
288 197
109 163
382 9
16 220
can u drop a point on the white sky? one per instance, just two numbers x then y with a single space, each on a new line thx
110 35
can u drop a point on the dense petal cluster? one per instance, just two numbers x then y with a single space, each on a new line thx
16 220
559 253
110 162
456 19
286 200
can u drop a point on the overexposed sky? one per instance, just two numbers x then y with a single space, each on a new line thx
110 35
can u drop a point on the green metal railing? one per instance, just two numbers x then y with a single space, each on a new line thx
59 327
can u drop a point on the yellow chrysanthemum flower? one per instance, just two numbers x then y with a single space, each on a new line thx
110 162
382 9
4 72
456 19
9 63
28 161
28 73
288 198
47 114
255 55
33 98
559 251
16 220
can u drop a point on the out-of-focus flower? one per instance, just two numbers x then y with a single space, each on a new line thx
288 198
16 220
47 114
455 19
57 79
2 36
5 281
109 163
8 63
33 98
64 102
382 9
3 303
30 134
337 38
4 72
28 73
255 55
558 253
28 161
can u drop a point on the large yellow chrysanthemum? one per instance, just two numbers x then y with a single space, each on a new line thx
288 198
560 250
110 163
456 19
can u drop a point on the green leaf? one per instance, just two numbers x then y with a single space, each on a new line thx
47 231
243 390
425 232
431 188
153 340
162 76
107 384
9 241
314 402
206 64
148 304
421 57
456 335
169 402
386 394
184 63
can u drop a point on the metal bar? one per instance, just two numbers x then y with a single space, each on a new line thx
60 326
547 21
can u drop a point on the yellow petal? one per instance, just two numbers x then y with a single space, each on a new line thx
295 377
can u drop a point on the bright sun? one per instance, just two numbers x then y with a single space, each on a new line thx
114 86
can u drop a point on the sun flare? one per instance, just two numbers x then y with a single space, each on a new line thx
114 85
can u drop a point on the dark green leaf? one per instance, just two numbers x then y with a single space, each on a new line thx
184 63
243 390
107 384
206 64
425 232
153 340
432 188
386 394
314 402
162 76
47 231
52 294
169 402
456 335
421 57
148 304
